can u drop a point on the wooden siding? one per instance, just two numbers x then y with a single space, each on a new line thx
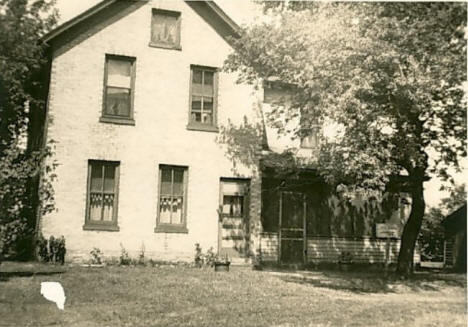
363 250
328 249
269 247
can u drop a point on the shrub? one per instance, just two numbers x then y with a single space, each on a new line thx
141 256
207 259
96 256
125 259
53 250
198 256
211 257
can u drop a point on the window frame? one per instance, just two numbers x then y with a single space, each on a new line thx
105 117
169 227
102 225
196 126
177 45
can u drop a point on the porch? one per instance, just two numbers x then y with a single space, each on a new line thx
304 222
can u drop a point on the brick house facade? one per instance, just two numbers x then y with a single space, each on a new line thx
135 102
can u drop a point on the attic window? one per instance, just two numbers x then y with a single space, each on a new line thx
165 29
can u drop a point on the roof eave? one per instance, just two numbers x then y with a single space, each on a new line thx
106 3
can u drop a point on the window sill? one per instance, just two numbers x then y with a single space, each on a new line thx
119 121
101 227
171 229
166 46
202 128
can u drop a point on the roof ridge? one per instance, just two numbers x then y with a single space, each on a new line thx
106 3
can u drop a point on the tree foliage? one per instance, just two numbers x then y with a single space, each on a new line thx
389 76
22 62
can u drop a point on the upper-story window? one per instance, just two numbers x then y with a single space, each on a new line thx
165 29
311 139
119 83
203 98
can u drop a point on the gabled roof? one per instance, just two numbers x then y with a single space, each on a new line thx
101 6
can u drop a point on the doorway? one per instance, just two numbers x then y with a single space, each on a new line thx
233 235
292 228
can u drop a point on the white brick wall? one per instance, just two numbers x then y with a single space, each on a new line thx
159 137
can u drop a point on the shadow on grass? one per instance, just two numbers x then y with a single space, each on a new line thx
365 282
5 276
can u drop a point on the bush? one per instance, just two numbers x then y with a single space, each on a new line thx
198 256
96 256
53 250
124 258
207 259
141 256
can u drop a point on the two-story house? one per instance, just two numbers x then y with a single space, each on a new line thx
136 100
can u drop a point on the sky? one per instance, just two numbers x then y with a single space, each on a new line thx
243 12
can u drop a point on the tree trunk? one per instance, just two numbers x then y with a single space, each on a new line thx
411 229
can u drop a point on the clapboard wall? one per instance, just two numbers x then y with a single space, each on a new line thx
328 249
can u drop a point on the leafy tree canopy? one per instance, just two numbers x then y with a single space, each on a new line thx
389 75
22 60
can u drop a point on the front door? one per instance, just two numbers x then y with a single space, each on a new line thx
292 227
233 218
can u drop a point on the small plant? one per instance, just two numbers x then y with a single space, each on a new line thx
96 256
125 259
198 256
211 257
345 257
60 250
141 255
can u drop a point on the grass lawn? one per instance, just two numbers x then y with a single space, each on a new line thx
183 296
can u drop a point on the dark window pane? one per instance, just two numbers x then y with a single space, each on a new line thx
118 102
208 86
164 29
178 182
109 179
166 181
196 103
196 116
208 78
197 76
207 104
96 178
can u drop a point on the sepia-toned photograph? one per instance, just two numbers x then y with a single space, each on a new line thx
233 163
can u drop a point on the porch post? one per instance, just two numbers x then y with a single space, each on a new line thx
304 231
